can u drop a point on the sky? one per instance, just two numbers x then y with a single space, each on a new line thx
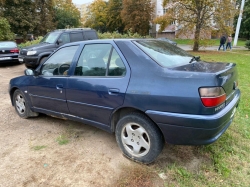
82 1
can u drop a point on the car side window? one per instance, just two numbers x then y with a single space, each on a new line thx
59 63
64 38
93 60
76 36
116 66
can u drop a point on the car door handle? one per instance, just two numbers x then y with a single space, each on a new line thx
59 86
114 91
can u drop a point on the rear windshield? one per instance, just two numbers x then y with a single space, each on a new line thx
50 37
7 44
164 53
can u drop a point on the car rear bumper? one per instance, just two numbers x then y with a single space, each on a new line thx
189 129
8 58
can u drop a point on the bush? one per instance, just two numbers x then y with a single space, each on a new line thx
247 44
109 35
30 42
5 32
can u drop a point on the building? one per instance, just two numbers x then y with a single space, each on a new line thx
172 30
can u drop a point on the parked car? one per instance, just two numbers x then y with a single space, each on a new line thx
8 52
33 55
168 40
145 91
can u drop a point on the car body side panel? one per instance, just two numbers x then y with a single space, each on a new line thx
156 88
49 93
95 98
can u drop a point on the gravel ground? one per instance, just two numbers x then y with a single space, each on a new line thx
32 156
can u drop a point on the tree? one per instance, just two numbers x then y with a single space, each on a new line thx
21 15
114 16
66 14
45 16
97 16
197 17
136 15
5 32
245 23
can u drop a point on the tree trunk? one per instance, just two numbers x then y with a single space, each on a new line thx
196 38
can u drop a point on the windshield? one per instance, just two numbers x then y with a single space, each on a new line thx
164 53
50 37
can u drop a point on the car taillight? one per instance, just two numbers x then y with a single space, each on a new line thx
15 50
212 96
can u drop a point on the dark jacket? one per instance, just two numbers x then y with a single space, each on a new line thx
223 40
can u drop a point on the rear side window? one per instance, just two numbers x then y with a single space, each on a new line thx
7 44
95 58
164 53
90 35
76 36
116 66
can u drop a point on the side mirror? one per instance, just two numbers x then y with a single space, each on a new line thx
29 72
59 41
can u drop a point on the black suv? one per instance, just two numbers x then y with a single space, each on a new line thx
33 55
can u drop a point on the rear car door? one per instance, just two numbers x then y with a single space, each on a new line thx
48 89
99 83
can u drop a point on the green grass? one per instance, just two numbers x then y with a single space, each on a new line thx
38 147
226 162
241 42
230 155
62 140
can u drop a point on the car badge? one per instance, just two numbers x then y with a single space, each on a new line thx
3 51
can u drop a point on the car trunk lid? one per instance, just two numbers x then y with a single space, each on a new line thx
225 75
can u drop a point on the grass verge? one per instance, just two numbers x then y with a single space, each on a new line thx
223 163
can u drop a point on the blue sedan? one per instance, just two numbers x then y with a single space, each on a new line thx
145 91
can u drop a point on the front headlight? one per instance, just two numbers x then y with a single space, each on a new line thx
31 52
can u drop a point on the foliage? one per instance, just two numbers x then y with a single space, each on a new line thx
30 42
114 16
66 14
194 17
5 32
21 15
97 16
136 15
245 22
45 16
247 45
110 35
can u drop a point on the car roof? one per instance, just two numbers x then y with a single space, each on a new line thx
108 40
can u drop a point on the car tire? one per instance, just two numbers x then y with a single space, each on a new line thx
43 59
22 106
139 138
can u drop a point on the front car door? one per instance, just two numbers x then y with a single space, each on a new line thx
48 89
99 84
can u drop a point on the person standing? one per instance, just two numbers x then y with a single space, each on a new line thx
222 42
31 37
229 42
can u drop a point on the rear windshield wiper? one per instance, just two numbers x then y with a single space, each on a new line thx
195 58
